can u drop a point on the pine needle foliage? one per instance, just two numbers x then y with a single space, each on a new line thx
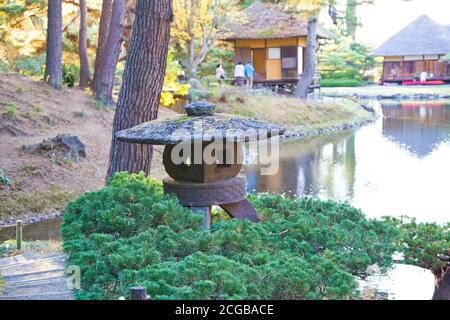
129 233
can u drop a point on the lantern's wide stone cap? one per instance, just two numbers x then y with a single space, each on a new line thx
173 130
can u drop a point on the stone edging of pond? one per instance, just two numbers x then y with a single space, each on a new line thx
421 96
29 219
293 135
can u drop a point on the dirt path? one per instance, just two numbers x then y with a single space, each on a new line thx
35 277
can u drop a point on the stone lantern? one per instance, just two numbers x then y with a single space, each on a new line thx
203 156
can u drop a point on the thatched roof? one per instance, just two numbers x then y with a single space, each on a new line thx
268 21
423 36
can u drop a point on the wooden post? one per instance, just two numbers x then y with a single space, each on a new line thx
19 226
138 293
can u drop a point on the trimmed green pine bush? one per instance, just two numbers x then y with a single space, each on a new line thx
129 233
340 83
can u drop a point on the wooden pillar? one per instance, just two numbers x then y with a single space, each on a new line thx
19 227
138 293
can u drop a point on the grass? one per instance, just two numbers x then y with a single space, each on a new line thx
31 170
35 113
39 201
79 114
2 285
20 89
11 111
292 113
41 247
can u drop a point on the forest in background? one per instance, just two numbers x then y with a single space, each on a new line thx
195 48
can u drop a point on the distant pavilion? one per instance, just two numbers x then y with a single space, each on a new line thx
273 41
417 48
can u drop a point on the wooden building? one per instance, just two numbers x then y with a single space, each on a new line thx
273 41
417 48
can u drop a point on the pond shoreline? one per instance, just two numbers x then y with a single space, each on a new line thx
299 135
395 97
30 219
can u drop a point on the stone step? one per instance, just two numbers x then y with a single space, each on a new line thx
35 277
40 275
33 266
14 260
61 295
37 287
15 283
27 259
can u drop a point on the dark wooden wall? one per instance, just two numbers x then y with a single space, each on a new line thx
408 70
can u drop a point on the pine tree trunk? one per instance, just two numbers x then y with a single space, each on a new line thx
105 20
85 73
310 61
142 84
104 82
53 59
442 288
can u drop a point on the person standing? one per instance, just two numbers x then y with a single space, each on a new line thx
220 74
239 74
249 74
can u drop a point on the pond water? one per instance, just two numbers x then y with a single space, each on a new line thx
46 230
399 165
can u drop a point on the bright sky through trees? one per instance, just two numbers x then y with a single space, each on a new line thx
386 17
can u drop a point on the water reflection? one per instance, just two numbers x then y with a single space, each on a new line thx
398 165
419 127
323 166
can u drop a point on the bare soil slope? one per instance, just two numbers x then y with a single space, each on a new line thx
31 111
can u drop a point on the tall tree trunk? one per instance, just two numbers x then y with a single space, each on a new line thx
142 84
53 59
442 288
105 20
310 60
85 73
104 82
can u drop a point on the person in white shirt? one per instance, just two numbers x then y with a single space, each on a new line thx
423 76
239 74
220 74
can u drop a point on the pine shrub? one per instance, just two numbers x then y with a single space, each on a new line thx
129 233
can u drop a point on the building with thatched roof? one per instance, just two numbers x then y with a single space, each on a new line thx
418 48
273 40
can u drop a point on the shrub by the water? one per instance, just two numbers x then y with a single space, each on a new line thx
130 233
340 82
